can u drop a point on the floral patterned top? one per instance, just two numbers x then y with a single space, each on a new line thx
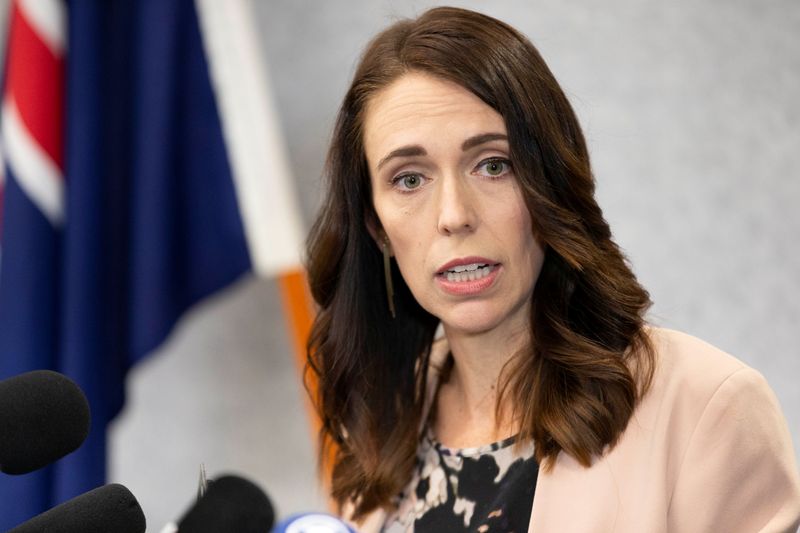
488 489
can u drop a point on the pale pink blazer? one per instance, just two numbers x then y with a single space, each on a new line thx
707 450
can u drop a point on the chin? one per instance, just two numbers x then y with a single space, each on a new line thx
470 323
476 317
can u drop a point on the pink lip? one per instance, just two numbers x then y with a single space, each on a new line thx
467 288
465 261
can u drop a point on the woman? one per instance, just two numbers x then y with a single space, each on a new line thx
460 194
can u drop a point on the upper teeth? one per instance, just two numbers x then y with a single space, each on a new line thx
467 268
467 274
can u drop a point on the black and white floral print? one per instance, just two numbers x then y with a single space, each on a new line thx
488 489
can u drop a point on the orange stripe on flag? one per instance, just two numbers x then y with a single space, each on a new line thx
298 308
299 312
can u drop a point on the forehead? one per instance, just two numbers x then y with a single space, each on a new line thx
418 105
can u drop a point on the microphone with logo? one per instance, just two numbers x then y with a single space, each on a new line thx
44 416
312 523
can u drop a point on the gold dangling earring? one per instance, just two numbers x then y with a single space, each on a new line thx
387 272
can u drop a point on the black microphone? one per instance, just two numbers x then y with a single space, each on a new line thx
44 416
102 510
230 503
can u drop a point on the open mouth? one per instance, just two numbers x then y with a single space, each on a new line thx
471 272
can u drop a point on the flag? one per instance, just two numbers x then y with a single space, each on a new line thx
143 172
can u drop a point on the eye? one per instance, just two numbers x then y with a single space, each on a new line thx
407 182
494 167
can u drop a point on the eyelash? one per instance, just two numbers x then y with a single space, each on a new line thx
397 179
500 160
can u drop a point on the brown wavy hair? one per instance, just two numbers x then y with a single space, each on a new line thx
575 388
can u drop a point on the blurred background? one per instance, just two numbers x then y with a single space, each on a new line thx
690 110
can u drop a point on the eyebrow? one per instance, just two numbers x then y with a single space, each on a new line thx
482 138
405 151
415 150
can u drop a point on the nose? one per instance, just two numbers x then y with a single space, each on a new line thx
457 212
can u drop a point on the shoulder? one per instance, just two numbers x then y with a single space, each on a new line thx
692 360
693 371
727 443
694 381
699 379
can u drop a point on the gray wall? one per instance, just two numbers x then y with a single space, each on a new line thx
691 114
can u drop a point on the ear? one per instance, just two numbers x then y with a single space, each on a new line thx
378 235
375 231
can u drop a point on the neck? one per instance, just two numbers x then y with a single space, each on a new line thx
479 359
469 397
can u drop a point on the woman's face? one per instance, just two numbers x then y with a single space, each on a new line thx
449 204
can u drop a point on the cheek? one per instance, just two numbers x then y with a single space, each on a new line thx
409 251
526 242
403 224
402 235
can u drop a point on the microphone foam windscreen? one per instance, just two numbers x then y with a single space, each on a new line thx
231 503
102 510
44 416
